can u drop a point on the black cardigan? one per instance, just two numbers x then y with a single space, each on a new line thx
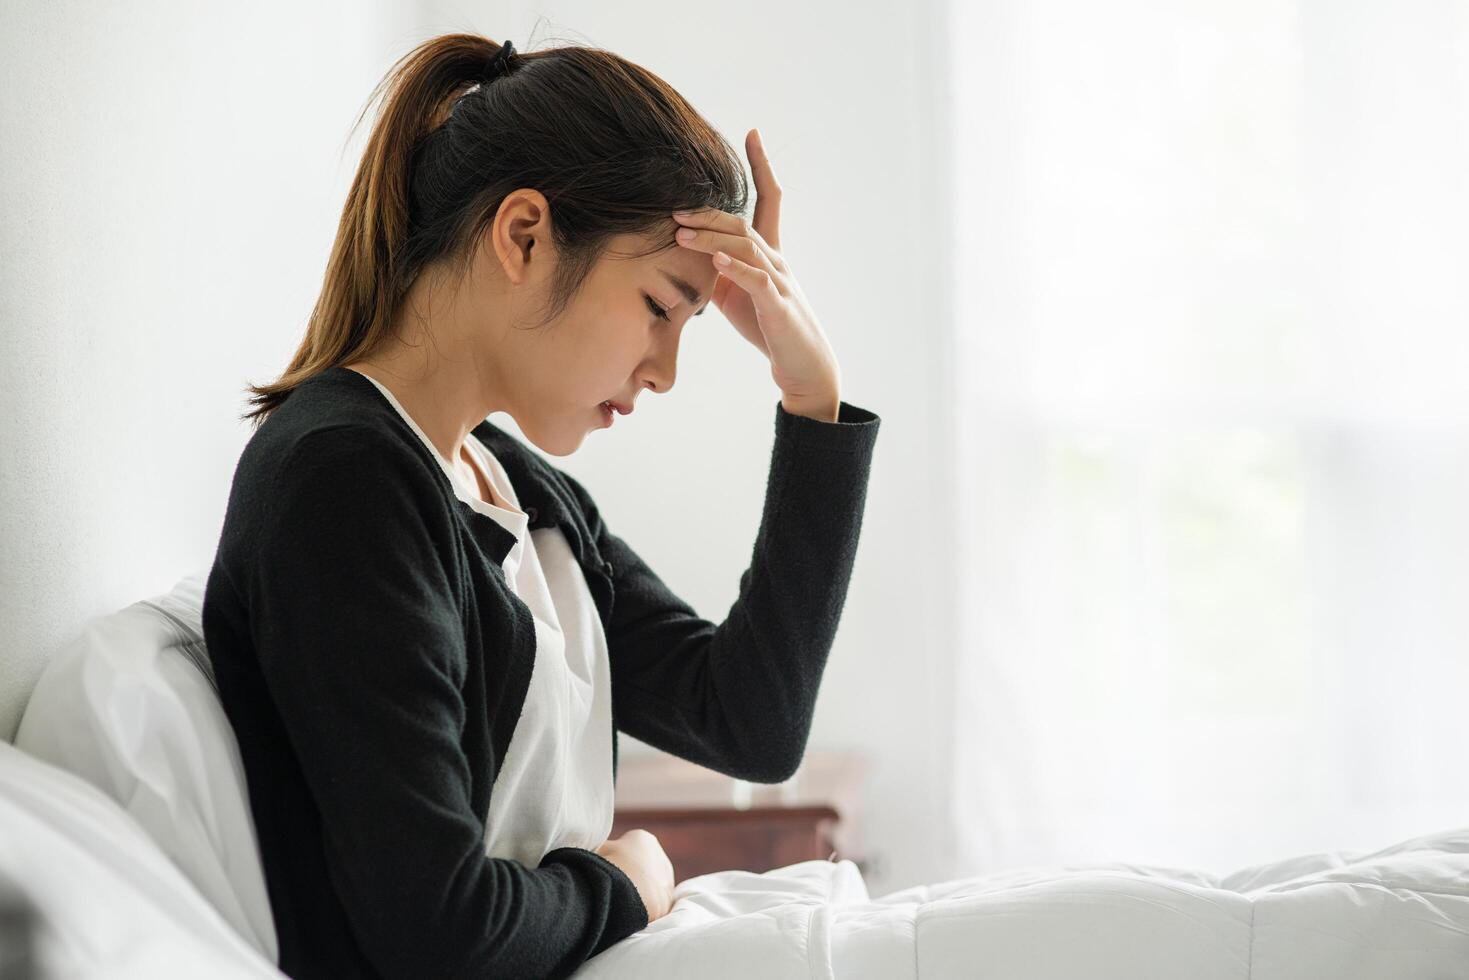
373 660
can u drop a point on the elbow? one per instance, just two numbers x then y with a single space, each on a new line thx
789 768
771 754
770 769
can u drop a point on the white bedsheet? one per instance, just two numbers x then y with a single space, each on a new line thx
1400 913
115 906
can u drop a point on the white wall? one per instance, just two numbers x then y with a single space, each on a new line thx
171 179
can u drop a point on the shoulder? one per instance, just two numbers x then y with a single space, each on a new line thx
335 426
345 473
340 450
349 505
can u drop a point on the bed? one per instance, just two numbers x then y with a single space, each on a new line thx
126 849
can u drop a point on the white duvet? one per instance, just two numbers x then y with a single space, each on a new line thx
1395 914
115 906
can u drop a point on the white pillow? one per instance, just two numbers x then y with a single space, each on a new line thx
105 901
131 706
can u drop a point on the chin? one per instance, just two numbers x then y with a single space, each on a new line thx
565 450
562 442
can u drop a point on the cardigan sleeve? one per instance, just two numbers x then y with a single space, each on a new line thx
738 696
356 612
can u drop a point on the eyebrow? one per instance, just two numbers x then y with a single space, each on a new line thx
690 293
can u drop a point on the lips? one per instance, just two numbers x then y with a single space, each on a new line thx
619 407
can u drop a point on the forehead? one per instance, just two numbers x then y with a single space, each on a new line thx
671 268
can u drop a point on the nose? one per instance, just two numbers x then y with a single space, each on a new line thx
660 371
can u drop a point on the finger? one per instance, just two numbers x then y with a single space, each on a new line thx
711 240
729 224
754 280
767 189
748 248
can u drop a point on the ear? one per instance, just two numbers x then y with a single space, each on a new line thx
520 233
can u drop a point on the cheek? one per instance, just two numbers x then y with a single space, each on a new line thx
623 344
598 359
601 367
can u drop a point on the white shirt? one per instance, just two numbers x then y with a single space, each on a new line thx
554 788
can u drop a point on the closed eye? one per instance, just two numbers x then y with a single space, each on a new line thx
657 310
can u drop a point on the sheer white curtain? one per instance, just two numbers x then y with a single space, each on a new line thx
1214 369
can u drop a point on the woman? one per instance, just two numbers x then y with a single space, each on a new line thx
424 634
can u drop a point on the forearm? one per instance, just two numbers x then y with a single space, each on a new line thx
739 697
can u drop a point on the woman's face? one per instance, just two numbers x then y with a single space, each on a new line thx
608 344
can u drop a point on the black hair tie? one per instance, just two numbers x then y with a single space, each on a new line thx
499 63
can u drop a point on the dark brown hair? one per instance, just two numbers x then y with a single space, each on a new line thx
614 149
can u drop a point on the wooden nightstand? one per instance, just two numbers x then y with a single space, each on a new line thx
709 822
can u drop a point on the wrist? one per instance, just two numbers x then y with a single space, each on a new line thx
822 408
